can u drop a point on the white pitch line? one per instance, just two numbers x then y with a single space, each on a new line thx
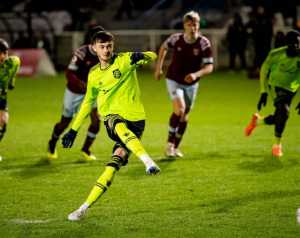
25 221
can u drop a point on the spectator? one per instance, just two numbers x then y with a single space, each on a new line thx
262 31
237 40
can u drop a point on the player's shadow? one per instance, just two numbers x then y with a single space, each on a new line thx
165 161
266 165
44 166
225 205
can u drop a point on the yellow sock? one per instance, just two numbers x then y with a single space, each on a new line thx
130 140
102 184
277 140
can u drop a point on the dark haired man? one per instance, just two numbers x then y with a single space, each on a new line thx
114 85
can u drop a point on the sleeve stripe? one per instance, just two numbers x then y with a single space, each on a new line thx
209 60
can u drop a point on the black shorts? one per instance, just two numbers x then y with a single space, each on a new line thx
137 127
3 104
283 96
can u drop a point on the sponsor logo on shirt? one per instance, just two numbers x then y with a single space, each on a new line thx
117 73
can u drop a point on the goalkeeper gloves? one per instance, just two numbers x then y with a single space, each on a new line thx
136 57
262 101
68 138
298 108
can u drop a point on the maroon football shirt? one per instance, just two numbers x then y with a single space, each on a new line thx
83 59
187 58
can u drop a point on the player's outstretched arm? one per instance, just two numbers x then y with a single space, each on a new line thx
264 73
140 58
86 106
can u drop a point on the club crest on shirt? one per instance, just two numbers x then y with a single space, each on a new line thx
117 73
179 48
196 52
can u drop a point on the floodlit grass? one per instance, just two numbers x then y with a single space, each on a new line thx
225 186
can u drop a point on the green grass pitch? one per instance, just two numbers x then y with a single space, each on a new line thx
227 185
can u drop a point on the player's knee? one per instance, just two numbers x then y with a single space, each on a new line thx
117 161
3 118
180 111
122 153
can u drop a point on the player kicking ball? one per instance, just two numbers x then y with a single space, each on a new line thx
280 77
113 84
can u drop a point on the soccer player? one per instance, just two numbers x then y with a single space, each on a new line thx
280 77
113 84
9 66
83 59
191 60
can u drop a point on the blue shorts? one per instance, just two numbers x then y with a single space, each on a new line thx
187 93
72 102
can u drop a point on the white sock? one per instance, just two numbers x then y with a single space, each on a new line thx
84 207
148 162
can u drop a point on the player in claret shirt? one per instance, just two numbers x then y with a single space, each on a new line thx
191 60
9 66
114 85
83 59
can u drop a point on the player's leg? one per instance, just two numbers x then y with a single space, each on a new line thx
282 104
57 131
91 135
258 120
3 117
177 96
70 105
119 158
190 93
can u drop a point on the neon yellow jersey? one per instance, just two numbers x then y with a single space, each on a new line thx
115 89
8 71
279 70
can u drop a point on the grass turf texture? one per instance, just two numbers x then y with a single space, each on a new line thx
226 186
